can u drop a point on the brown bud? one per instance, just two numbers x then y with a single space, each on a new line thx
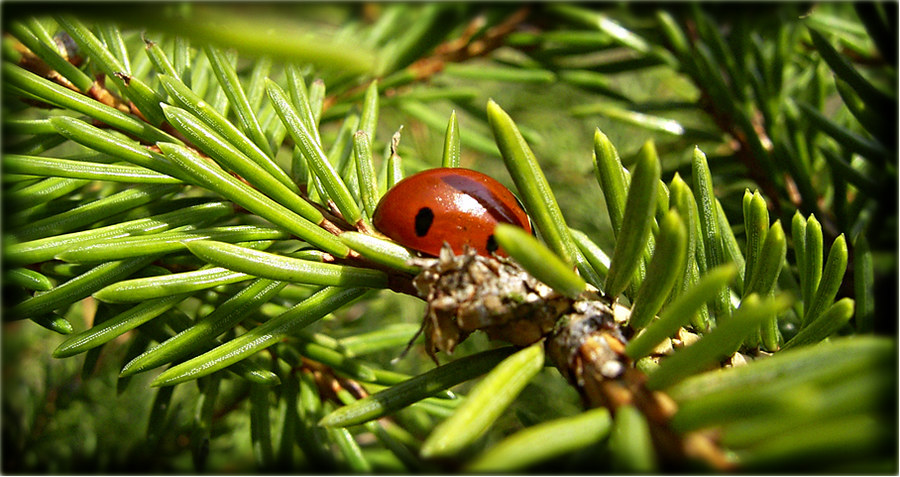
469 292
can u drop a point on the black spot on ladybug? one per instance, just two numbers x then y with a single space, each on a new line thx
492 244
424 219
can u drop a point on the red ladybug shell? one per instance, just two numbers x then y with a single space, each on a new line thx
459 206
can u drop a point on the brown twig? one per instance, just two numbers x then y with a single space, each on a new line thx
456 50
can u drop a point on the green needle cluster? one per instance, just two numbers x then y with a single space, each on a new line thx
188 192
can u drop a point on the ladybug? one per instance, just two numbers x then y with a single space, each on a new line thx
453 205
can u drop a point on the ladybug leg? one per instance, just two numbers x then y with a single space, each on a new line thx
410 344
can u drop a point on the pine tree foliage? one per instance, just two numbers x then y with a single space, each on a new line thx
188 193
